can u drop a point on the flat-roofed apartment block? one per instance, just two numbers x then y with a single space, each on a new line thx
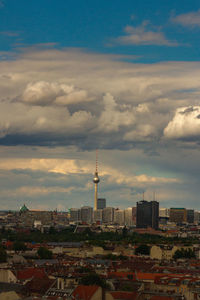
178 215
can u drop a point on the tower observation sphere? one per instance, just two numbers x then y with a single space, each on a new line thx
96 178
96 181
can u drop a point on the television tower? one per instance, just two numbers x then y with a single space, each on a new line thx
96 181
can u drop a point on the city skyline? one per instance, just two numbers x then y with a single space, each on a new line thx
121 77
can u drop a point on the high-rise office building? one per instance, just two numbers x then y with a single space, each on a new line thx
147 214
128 216
108 215
119 217
87 214
101 203
97 215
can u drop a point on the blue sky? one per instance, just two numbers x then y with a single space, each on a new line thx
97 26
120 76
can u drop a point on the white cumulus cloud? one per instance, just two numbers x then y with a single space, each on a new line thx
140 35
46 93
191 19
112 118
185 123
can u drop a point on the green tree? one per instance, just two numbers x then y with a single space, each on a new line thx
19 246
44 253
184 253
142 249
93 279
3 255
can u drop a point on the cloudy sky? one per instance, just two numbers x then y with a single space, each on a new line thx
120 76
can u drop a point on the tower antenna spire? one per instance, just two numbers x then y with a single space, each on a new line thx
96 160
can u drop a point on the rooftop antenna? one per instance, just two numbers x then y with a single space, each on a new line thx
96 160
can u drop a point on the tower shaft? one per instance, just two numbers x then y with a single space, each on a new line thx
96 181
95 195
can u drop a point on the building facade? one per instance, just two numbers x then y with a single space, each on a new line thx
178 215
147 214
101 203
87 214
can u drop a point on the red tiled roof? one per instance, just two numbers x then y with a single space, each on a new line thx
126 275
28 273
124 295
8 244
148 276
161 298
84 292
39 285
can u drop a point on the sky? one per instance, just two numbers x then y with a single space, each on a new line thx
122 77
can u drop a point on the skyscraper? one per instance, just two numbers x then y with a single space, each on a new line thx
96 181
101 203
86 214
147 214
108 215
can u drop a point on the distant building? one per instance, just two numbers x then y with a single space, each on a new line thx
108 215
87 214
28 217
101 203
134 214
163 216
75 215
23 209
147 214
97 215
178 215
163 212
196 216
128 216
190 215
119 217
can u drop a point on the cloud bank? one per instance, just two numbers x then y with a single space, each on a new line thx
58 106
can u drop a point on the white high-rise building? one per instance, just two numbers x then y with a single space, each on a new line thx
119 217
87 214
97 215
128 216
108 215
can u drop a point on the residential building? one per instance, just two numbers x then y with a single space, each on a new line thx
75 214
178 215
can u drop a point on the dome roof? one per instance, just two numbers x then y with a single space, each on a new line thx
23 208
